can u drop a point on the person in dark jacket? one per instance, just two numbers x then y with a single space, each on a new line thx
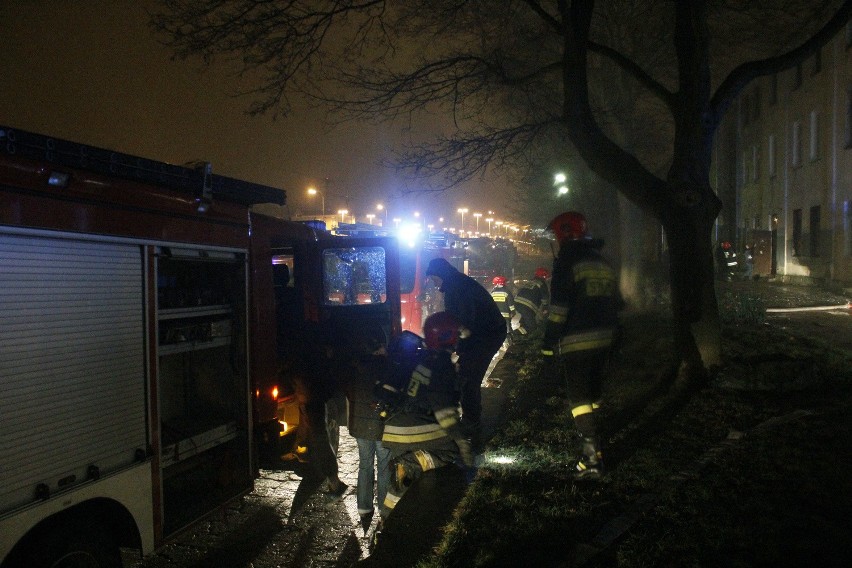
423 430
366 425
484 331
581 328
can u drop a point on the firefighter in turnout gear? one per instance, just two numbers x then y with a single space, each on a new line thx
504 299
532 301
581 327
422 429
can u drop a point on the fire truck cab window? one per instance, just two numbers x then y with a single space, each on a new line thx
354 276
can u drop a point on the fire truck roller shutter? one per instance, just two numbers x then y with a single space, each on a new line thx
71 362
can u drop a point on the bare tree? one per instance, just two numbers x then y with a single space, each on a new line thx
636 88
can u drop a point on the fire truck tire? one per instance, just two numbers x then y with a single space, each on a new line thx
83 545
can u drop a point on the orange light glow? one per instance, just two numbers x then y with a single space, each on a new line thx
275 393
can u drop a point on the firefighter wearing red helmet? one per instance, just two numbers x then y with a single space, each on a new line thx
581 327
504 299
423 430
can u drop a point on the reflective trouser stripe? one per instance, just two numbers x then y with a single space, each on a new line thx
447 417
391 500
425 460
581 410
413 434
558 314
595 339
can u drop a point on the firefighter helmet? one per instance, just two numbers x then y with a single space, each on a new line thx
541 272
441 330
570 225
499 281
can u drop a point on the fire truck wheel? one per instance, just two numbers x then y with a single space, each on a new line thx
83 545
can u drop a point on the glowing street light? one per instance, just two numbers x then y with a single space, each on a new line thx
396 221
560 181
462 211
380 207
314 191
370 218
342 213
477 215
489 221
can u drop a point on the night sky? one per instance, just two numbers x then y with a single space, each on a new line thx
92 72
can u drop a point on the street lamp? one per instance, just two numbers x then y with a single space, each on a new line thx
314 191
462 211
560 182
370 218
489 221
477 215
498 223
381 207
396 221
342 213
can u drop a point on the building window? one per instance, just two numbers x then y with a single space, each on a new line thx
797 144
813 149
756 104
773 89
814 248
797 232
797 77
755 170
817 61
771 145
848 126
847 226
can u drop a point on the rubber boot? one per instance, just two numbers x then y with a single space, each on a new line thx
590 464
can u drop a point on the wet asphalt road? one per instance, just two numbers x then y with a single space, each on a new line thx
287 521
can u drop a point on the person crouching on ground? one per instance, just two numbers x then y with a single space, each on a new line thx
422 429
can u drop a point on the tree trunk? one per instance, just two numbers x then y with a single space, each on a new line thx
688 223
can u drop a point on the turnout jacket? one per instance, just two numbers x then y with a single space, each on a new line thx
505 301
584 301
424 415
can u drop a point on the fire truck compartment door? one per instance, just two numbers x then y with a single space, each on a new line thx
71 363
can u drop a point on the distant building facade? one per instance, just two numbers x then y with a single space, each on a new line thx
783 169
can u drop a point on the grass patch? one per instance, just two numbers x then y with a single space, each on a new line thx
779 495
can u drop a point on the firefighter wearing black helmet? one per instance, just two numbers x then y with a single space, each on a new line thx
532 300
581 327
422 429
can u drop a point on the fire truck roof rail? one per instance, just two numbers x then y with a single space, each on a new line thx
182 178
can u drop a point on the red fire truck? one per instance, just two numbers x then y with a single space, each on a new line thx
418 297
140 345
